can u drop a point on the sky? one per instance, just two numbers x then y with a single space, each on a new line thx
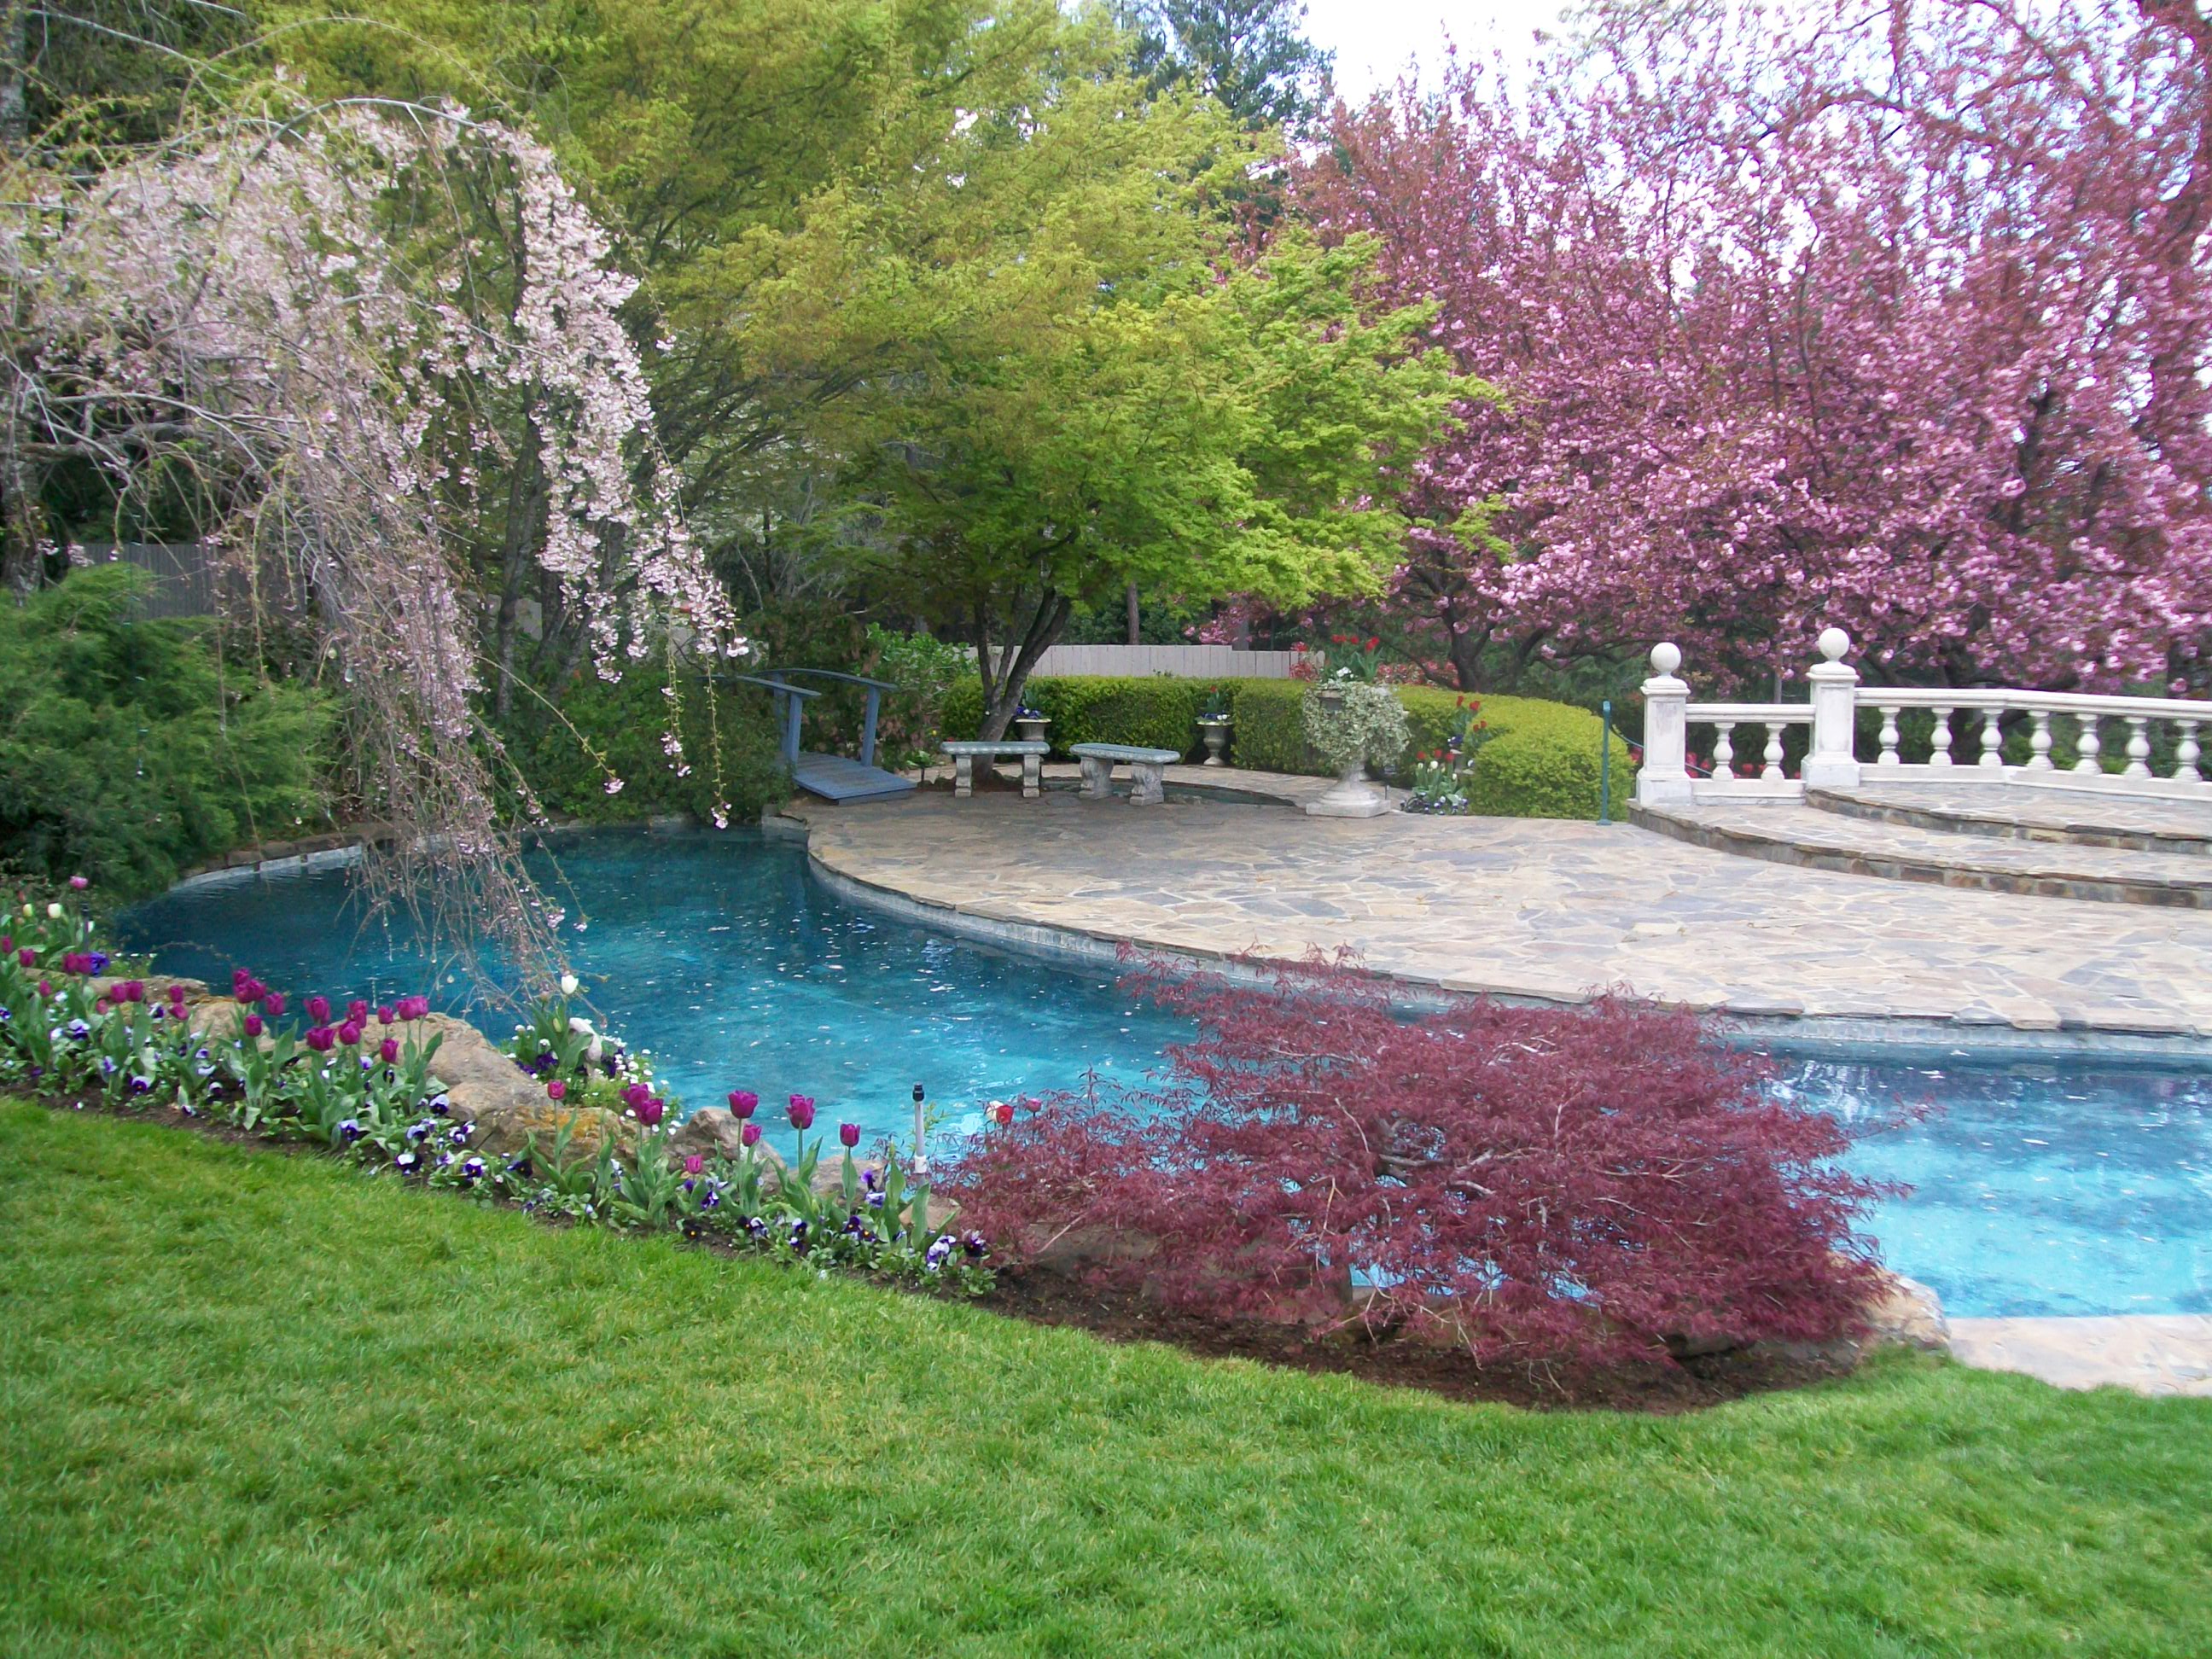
1373 40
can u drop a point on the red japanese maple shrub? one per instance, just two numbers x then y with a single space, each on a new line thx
1541 1184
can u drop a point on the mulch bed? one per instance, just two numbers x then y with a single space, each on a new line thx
1045 1298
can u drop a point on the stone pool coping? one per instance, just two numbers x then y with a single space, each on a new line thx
2016 1029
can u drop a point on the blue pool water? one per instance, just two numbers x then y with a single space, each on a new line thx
2038 1189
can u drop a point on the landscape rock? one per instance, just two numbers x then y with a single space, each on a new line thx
507 1107
1907 1314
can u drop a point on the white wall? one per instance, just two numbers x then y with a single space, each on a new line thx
1195 662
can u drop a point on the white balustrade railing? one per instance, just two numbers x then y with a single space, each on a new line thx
1967 737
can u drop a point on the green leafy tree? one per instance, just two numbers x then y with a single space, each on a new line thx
1251 55
1076 385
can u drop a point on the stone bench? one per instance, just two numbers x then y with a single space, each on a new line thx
964 756
1145 766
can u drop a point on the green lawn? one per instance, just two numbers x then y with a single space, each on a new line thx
258 1404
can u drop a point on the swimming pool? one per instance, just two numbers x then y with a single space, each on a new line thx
2051 1188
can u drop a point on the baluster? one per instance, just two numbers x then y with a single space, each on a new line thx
1938 740
1888 756
2090 745
2138 746
1773 750
1723 751
1992 739
2039 744
2185 756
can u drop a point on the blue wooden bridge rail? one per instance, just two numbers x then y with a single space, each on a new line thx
831 776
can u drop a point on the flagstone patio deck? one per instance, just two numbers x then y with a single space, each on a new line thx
1535 909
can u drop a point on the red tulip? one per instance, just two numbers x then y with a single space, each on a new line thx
1002 1112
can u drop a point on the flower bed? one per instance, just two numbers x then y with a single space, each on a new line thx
369 1085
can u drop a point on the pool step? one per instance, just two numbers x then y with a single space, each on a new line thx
1821 838
2010 811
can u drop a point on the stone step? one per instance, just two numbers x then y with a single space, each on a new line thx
1785 832
2012 811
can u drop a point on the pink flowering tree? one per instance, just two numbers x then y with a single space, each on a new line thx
324 336
1895 319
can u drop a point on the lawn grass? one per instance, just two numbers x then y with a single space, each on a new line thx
261 1404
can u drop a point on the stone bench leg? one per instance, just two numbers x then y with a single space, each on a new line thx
1032 776
963 776
1098 778
1147 783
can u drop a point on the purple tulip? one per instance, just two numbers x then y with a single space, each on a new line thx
849 1134
78 884
750 1134
357 1011
692 1164
388 1051
635 1096
254 1026
350 1033
26 955
742 1102
177 994
271 1001
319 1010
556 1089
7 943
652 1112
46 985
384 1014
320 1037
802 1112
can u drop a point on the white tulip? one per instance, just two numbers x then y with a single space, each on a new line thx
54 911
567 985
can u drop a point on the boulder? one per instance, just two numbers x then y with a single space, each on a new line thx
1907 1314
506 1105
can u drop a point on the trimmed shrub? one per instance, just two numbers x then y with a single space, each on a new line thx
125 756
1531 1184
1541 760
1158 712
624 722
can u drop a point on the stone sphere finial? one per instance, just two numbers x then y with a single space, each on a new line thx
1834 643
1666 658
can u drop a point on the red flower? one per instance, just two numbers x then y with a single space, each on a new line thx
556 1089
1002 1112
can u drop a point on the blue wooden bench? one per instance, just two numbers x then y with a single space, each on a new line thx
965 754
1147 786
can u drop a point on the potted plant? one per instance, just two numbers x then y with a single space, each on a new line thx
1349 722
1030 723
1214 724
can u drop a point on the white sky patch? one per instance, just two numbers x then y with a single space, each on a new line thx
1374 40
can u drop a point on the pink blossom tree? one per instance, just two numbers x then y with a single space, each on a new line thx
1893 320
287 330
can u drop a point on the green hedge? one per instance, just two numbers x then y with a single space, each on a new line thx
1540 762
1158 712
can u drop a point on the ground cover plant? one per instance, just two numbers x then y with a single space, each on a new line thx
255 1403
1531 1185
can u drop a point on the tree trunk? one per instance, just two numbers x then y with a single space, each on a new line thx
1136 634
1006 675
14 76
526 497
21 523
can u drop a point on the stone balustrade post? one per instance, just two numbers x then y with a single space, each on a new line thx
1832 760
1662 776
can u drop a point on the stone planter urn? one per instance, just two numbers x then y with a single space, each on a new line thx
1215 730
1031 726
1354 795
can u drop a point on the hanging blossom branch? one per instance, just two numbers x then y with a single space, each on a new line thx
309 332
